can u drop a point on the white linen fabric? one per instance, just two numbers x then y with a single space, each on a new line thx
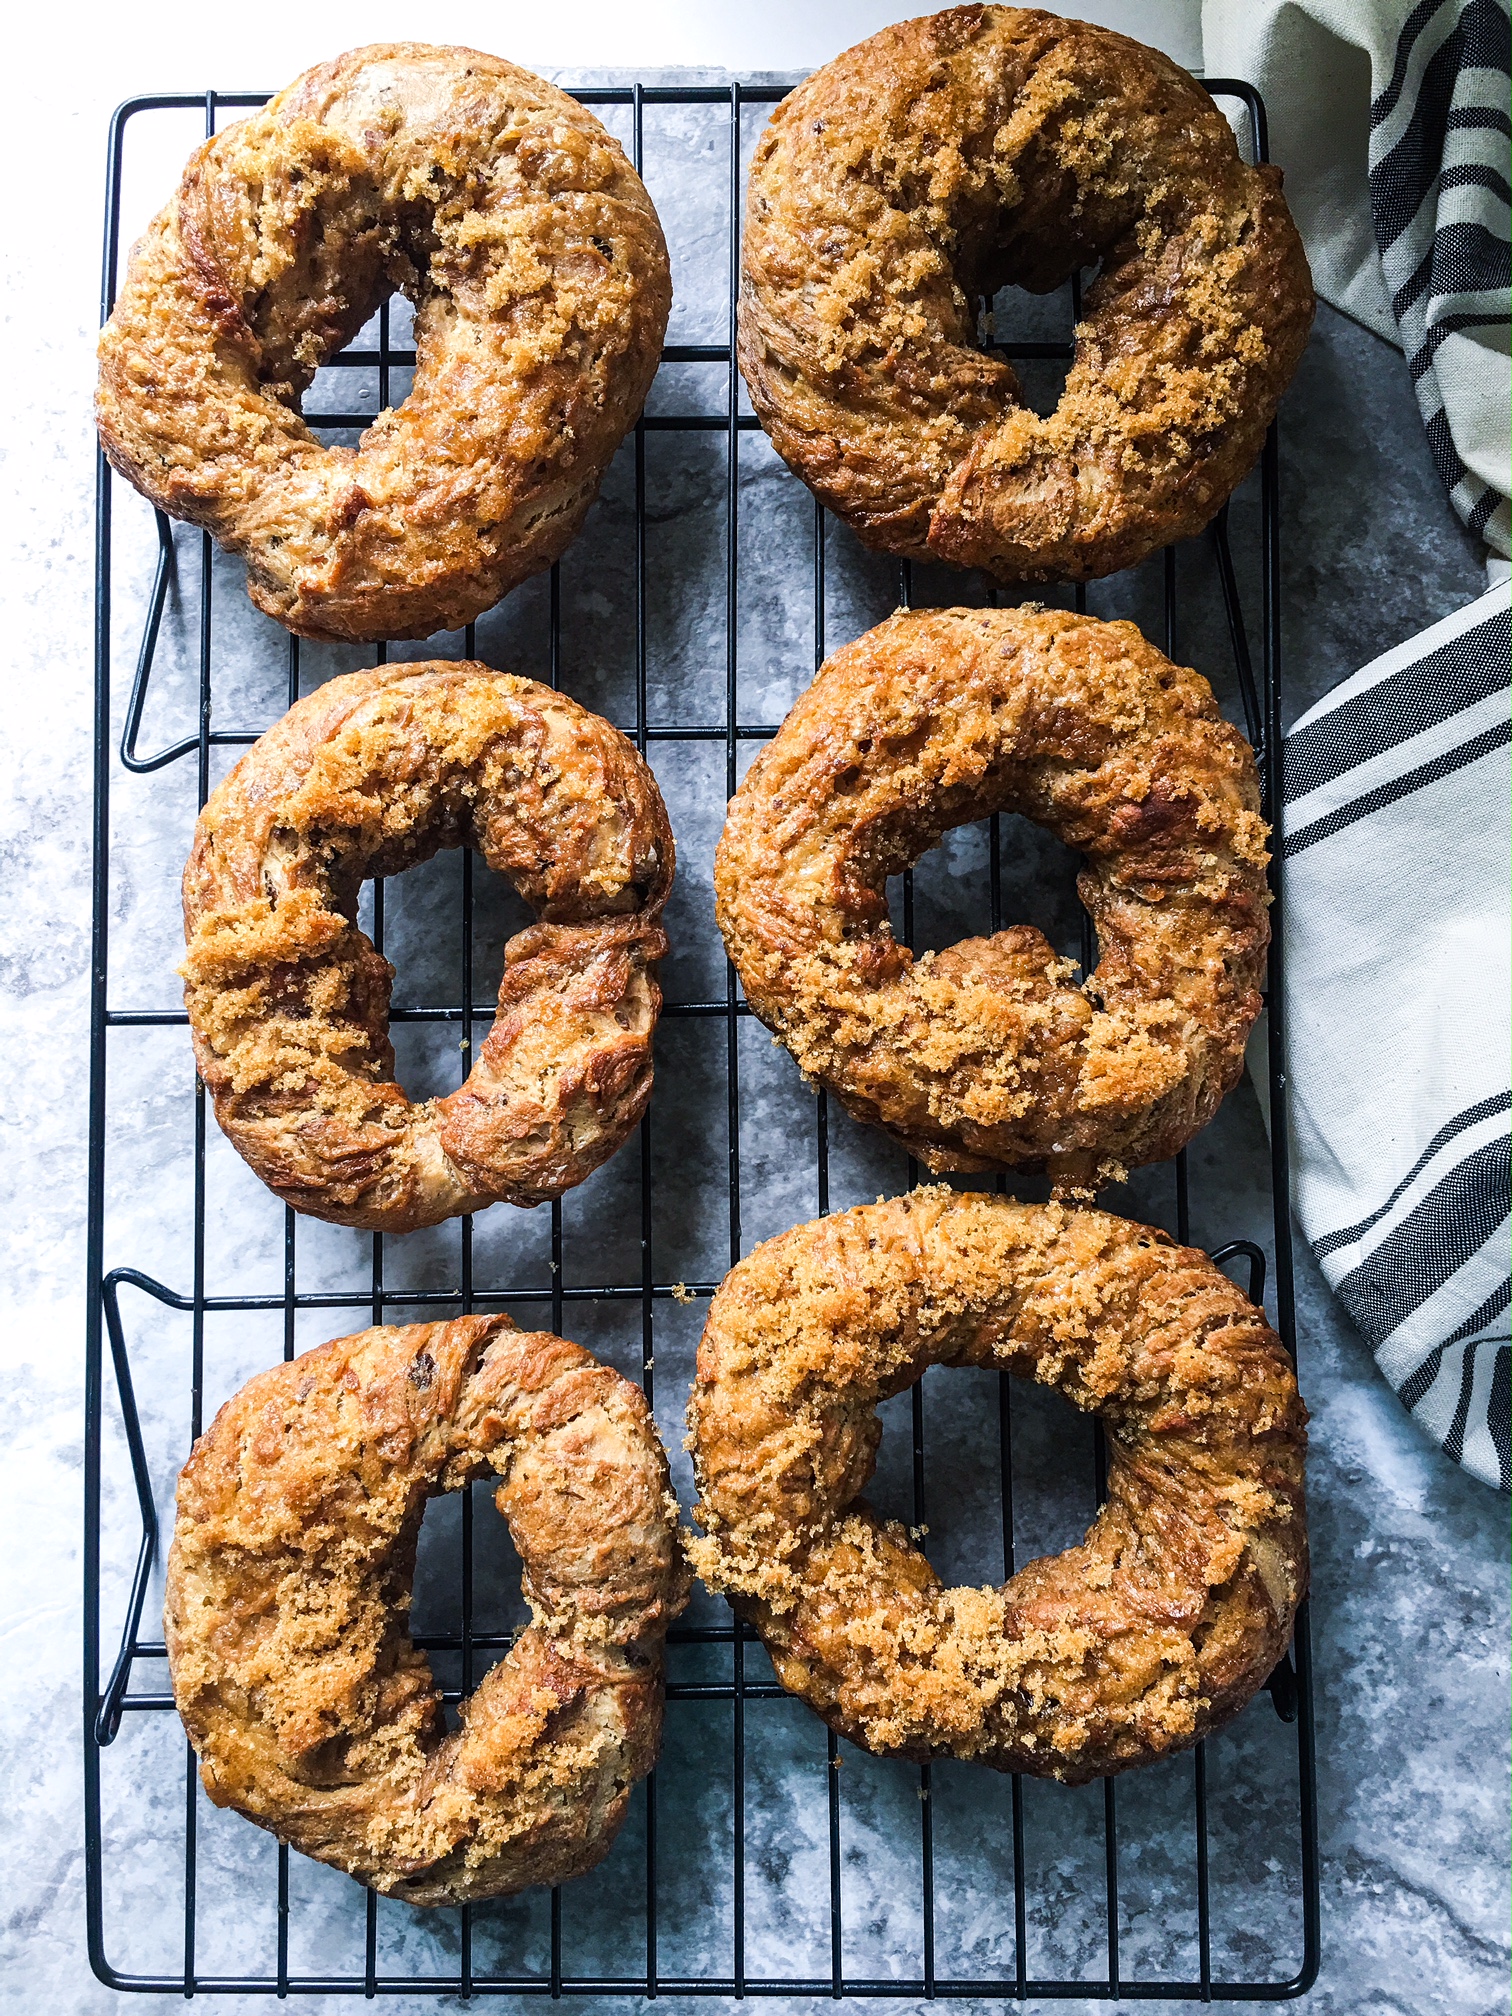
1391 123
1396 847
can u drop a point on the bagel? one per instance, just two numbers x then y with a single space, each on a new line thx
905 183
541 288
989 1056
1142 1640
288 999
288 1597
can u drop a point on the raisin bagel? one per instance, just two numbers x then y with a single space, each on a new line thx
288 1591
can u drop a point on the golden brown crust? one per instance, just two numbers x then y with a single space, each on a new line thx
1142 1640
987 1056
288 1000
541 286
946 157
288 1595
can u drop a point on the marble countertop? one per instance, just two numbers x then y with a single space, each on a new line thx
1410 1620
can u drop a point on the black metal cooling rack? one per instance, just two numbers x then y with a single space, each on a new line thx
1258 681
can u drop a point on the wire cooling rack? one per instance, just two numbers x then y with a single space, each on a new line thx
1234 1834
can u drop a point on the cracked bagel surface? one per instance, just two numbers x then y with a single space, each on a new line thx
1153 1632
538 273
288 1597
989 1055
899 188
288 999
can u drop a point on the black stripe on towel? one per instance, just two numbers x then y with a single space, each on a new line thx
1437 1237
1399 787
1417 283
1462 672
1476 175
1499 1413
1498 1400
1470 258
1479 119
1383 107
1494 1305
1401 180
1418 1381
1439 334
1454 1441
1452 471
1490 503
1463 259
1499 1102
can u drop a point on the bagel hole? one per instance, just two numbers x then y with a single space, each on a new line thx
437 1609
1053 1455
421 937
1042 380
1014 319
347 384
953 887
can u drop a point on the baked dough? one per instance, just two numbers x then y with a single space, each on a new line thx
1150 1634
288 1000
989 1055
288 1600
541 286
903 184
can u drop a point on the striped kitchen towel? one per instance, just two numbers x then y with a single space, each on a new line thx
1390 120
1398 921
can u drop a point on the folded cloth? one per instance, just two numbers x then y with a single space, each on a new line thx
1390 121
1396 845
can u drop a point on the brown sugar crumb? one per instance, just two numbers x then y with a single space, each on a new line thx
1143 1639
288 999
288 1591
953 155
541 285
990 1055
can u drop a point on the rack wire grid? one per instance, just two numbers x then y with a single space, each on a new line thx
870 1880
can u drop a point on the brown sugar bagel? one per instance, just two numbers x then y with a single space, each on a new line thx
1143 1639
288 999
988 1055
541 289
905 183
288 1600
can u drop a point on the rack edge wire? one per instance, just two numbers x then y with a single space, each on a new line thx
101 1712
